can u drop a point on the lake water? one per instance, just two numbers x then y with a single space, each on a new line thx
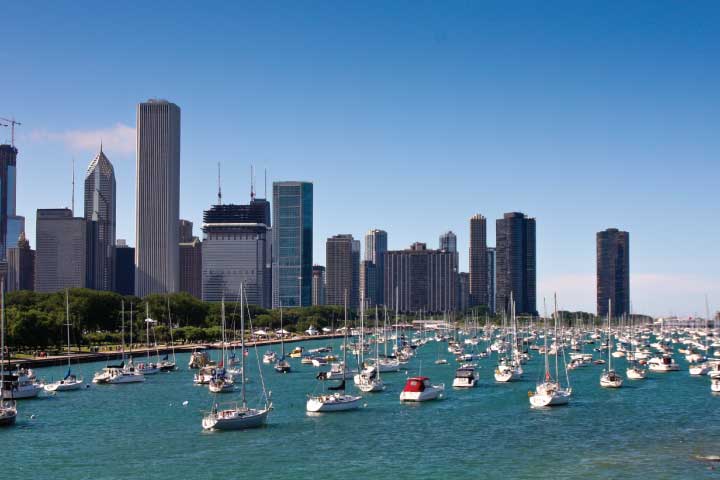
647 429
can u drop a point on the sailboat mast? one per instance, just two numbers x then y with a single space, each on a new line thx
242 347
122 328
344 369
67 323
2 339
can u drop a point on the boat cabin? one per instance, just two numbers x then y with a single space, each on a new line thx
416 384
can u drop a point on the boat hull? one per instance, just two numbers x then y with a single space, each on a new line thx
426 395
63 386
251 419
325 404
24 392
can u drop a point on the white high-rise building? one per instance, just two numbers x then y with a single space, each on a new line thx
157 200
100 214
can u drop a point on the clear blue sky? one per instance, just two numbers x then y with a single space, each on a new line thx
407 116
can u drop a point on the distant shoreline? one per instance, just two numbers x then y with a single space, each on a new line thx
141 352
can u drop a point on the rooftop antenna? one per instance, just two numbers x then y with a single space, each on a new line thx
72 201
252 183
266 183
219 187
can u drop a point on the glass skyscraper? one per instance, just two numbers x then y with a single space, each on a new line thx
292 244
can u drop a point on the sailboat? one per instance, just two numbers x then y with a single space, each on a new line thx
369 379
165 364
282 365
340 401
239 417
222 380
70 381
8 408
509 369
122 373
609 377
549 392
148 367
634 370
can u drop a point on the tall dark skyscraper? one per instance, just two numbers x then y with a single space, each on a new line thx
342 271
21 266
478 261
425 280
157 200
376 245
368 282
492 290
318 285
100 215
186 231
124 268
292 244
448 242
10 225
613 272
515 263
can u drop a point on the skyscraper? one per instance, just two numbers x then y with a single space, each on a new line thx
425 280
478 261
342 271
492 290
233 253
613 272
448 242
191 267
318 285
463 288
515 263
21 266
8 158
100 215
124 268
376 245
368 282
157 203
60 259
186 231
292 244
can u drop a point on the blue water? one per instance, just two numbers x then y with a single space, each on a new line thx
647 429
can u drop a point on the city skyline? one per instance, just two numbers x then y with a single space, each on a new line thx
532 118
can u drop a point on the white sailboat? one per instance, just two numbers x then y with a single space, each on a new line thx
609 377
369 380
148 367
234 416
222 381
549 392
340 400
8 408
510 369
70 381
122 373
282 365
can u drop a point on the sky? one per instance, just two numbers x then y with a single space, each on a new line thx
407 116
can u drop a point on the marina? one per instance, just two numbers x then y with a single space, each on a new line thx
659 427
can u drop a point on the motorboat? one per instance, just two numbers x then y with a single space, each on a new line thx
269 357
419 389
20 384
465 377
663 364
117 374
198 359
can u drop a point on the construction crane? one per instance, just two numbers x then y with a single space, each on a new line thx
12 128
